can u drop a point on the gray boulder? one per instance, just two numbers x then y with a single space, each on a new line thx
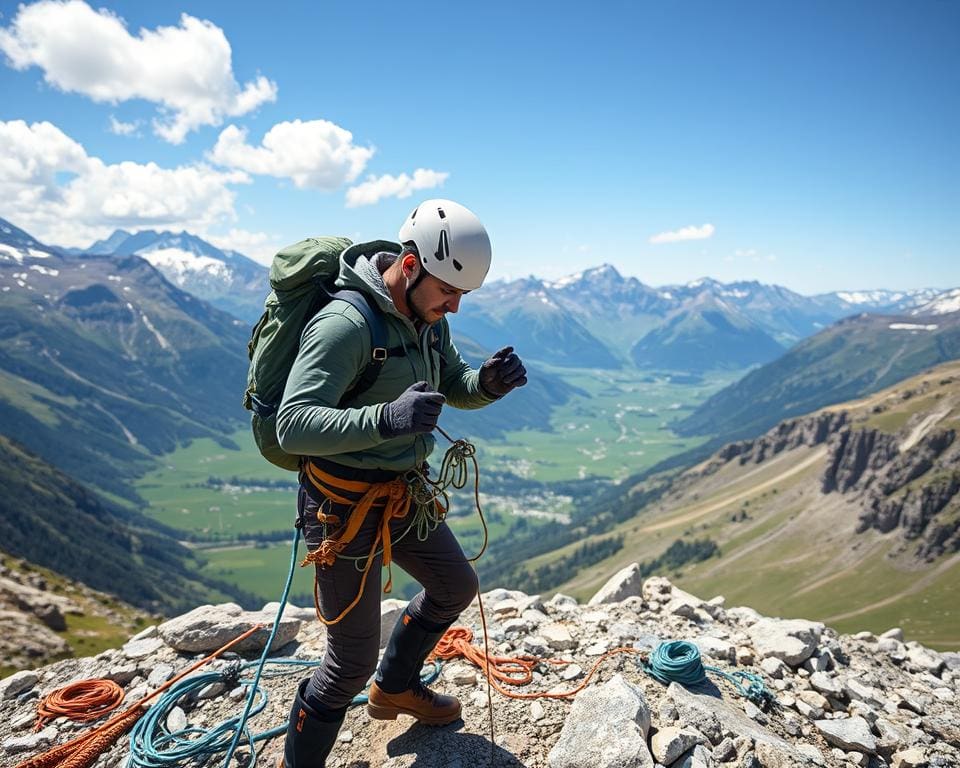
606 728
625 583
790 640
210 627
850 733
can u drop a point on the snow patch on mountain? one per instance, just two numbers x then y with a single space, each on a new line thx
179 265
884 298
161 340
868 297
8 253
565 281
912 327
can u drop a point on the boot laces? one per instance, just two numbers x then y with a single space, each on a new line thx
421 691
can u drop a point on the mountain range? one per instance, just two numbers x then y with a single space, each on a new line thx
852 358
599 318
596 318
227 279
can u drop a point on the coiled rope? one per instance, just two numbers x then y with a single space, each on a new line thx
82 702
678 661
82 751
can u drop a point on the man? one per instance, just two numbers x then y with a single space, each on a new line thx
357 448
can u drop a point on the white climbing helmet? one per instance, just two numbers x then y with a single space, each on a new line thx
452 243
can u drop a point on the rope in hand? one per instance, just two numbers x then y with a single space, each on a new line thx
82 702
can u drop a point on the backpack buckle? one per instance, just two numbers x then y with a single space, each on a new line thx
380 354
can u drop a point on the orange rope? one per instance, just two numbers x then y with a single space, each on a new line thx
456 643
82 751
82 702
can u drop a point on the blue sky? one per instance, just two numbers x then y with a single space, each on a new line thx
810 144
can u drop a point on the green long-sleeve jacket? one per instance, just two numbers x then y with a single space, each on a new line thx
334 350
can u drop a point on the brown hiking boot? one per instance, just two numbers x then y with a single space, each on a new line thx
429 707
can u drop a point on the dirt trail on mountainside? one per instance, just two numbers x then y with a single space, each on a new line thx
753 490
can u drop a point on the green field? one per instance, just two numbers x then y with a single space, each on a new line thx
618 429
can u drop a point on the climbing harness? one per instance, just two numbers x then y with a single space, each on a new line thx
413 489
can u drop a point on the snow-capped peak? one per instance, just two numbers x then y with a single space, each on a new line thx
178 265
943 304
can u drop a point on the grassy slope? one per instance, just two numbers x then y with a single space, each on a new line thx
796 553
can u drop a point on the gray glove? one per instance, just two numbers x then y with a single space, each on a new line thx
502 373
416 410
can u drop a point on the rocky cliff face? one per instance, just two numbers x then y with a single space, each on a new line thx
914 490
913 487
840 700
787 435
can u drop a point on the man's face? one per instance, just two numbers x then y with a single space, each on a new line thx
431 299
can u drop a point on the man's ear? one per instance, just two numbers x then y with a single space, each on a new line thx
409 265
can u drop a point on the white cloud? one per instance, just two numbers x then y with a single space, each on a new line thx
313 153
259 246
52 188
686 233
374 189
186 70
121 128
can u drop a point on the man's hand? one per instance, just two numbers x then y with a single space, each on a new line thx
416 410
502 372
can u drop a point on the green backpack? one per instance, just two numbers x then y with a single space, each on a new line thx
302 278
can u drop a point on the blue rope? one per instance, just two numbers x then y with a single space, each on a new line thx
678 661
255 687
152 745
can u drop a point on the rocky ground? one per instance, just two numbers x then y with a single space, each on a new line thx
841 700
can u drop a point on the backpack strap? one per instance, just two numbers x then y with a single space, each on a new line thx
379 352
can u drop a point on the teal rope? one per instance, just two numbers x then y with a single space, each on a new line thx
255 687
678 661
152 745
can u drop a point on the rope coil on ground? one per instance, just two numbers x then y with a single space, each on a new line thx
82 702
678 661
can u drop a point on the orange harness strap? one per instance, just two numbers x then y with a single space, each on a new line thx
397 505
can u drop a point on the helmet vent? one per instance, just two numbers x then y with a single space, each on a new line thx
458 265
443 247
442 214
414 214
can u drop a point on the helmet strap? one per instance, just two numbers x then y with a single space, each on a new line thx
408 293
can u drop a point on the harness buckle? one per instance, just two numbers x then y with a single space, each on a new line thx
379 354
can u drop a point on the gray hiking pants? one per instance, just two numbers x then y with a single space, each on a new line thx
448 580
